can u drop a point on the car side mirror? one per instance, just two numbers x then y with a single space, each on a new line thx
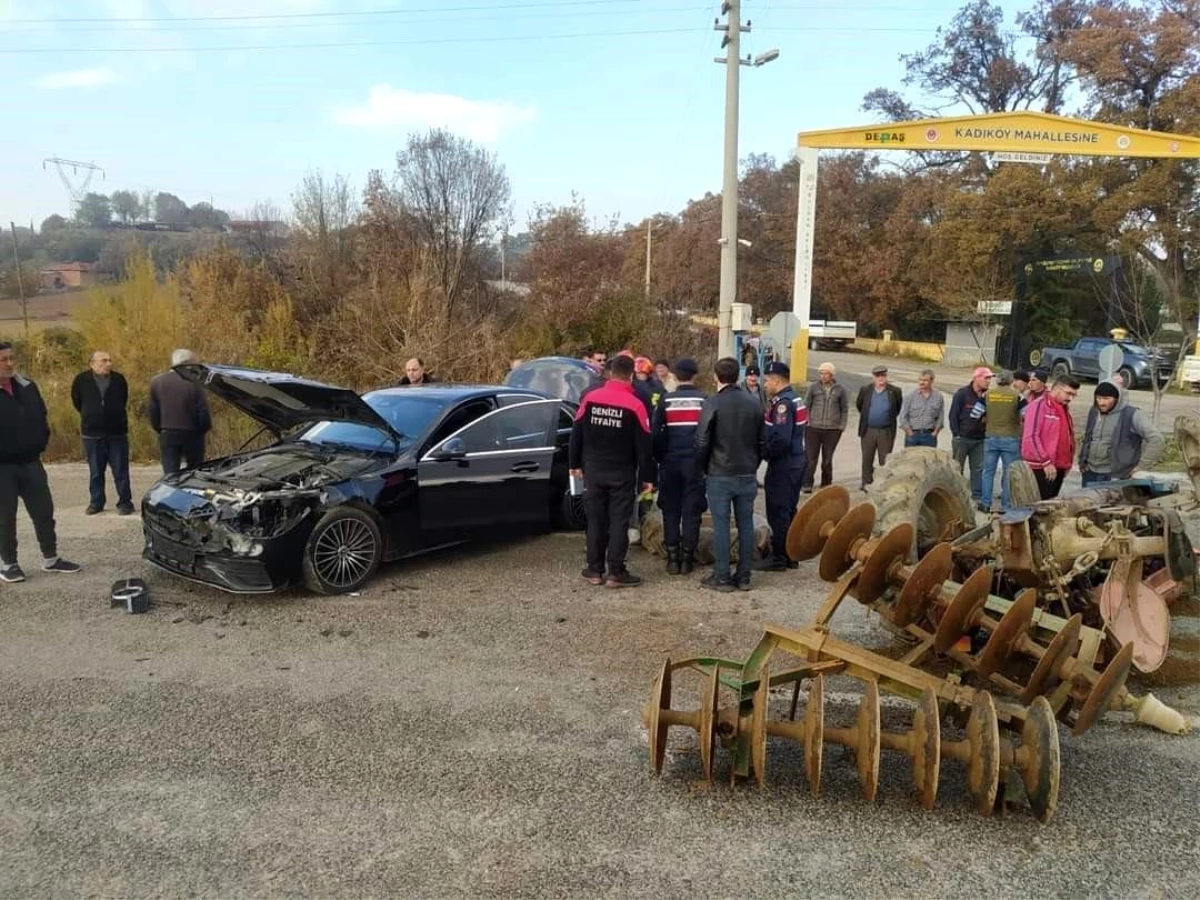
455 448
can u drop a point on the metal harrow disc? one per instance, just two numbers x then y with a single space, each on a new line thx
1008 632
814 733
925 743
964 610
656 725
836 558
983 753
1047 674
922 586
815 521
705 727
1038 759
891 550
1107 686
758 726
867 749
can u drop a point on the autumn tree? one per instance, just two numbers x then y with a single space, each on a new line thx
169 209
455 192
127 206
94 211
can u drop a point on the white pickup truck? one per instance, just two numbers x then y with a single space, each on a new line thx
826 335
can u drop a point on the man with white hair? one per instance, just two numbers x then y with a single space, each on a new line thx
179 416
828 405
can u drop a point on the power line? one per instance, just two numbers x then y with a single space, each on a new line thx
331 45
318 15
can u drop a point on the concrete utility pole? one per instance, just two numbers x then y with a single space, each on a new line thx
20 285
649 231
733 62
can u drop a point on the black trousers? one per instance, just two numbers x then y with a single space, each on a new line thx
820 442
27 482
1047 487
682 501
174 447
782 487
609 503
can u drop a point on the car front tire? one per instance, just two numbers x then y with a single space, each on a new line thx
343 551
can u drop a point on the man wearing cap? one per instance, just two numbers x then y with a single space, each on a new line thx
878 406
752 385
786 420
968 424
1003 441
1117 440
828 407
922 413
680 483
1038 380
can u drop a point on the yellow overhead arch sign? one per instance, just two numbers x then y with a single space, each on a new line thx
1028 132
1022 135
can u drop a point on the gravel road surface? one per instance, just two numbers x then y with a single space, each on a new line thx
470 726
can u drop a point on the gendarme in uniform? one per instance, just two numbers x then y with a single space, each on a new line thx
787 419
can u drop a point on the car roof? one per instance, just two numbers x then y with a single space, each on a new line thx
451 392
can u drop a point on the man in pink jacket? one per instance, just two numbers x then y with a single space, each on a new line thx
1048 436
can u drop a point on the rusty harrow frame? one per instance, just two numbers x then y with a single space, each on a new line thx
1009 718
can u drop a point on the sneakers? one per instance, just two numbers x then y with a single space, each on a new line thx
713 583
593 577
61 565
12 574
623 579
770 564
125 509
92 510
742 582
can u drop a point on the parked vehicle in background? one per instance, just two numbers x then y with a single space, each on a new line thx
1139 365
826 335
1191 373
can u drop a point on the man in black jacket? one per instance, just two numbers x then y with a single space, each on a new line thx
24 433
680 484
968 425
730 444
878 405
101 397
610 444
179 415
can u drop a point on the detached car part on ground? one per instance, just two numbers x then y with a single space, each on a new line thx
1005 670
353 481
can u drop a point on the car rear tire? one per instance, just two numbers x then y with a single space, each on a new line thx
343 551
1060 370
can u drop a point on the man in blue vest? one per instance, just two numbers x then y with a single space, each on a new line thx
787 418
680 482
1117 440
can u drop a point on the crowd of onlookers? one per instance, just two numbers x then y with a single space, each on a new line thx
646 426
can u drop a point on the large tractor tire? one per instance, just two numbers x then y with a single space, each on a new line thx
1022 486
923 487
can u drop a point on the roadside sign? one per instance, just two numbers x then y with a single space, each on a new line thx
784 326
994 307
1017 156
1111 358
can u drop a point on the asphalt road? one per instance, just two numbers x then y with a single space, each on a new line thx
470 726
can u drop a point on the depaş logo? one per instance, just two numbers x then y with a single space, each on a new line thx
885 137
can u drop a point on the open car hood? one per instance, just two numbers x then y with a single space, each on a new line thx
281 401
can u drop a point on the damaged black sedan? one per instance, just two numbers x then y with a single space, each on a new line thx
353 481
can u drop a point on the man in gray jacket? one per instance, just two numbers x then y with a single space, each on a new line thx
179 415
1117 440
828 407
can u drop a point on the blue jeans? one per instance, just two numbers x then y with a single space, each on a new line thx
103 453
1007 450
738 491
917 439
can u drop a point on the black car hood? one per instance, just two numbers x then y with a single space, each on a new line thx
281 401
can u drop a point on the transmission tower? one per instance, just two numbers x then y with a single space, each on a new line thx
75 183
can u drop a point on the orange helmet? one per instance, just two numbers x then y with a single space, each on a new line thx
643 366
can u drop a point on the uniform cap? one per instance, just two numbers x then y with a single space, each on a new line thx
752 370
779 368
686 368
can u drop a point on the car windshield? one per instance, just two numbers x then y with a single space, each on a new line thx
1135 349
409 415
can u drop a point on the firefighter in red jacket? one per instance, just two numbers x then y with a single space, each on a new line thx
610 444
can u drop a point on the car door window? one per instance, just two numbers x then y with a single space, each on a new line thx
526 427
460 417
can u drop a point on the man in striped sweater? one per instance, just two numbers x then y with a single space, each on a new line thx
680 483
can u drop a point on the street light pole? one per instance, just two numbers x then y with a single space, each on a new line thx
733 62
